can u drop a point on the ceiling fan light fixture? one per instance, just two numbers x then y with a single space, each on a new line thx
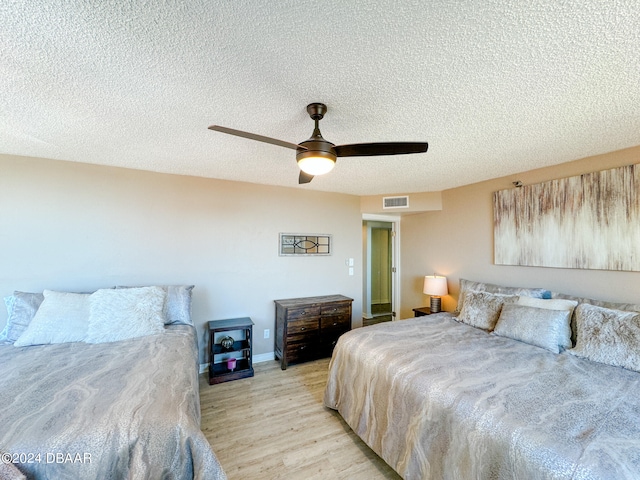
317 156
316 164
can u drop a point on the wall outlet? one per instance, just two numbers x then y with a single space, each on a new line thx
267 333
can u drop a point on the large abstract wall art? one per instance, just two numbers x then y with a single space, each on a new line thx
590 221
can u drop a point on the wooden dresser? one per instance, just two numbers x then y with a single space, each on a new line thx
308 328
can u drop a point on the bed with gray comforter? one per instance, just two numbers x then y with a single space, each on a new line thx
126 409
440 399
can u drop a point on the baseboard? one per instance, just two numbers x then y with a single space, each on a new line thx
263 357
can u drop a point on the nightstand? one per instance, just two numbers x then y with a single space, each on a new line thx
240 349
421 311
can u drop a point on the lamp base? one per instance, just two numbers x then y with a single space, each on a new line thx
436 304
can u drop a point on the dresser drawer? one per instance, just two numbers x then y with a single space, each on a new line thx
339 322
339 309
327 344
303 312
302 327
297 352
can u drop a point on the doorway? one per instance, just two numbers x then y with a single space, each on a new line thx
380 272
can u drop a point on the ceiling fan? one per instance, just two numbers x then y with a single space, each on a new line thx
317 156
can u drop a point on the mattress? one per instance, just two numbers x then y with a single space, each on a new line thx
438 399
127 409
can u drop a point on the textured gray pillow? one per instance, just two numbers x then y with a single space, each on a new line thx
608 336
61 318
125 313
627 307
541 327
21 308
471 286
177 307
482 309
555 304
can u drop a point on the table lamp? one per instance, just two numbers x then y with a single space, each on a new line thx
436 287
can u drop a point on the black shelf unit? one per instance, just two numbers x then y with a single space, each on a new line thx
218 371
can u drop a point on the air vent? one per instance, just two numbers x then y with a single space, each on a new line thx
395 202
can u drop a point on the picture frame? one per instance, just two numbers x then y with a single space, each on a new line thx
305 244
589 221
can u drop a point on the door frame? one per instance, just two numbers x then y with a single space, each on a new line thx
394 220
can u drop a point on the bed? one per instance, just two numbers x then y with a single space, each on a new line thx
439 398
103 407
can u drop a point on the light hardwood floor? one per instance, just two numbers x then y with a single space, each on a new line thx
274 426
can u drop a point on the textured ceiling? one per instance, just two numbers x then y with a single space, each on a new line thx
495 87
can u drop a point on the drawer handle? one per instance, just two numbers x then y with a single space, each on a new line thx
302 329
303 347
335 323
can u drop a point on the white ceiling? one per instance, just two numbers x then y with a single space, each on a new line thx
495 87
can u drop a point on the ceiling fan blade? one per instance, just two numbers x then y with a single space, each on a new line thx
259 138
304 178
387 148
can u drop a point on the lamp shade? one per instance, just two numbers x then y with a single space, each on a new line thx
435 285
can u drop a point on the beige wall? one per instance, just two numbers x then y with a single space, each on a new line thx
458 242
79 227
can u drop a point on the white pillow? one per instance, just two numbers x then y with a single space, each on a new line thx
62 317
177 306
549 304
126 313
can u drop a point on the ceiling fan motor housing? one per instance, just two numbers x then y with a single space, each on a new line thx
317 148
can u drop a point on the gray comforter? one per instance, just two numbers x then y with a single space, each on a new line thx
127 409
437 399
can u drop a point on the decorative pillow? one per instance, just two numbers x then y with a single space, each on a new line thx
21 308
177 307
125 313
482 309
555 304
470 286
62 317
628 307
541 327
608 336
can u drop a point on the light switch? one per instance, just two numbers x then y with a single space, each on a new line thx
351 262
351 271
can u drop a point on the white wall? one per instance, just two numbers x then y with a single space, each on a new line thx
79 227
458 242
